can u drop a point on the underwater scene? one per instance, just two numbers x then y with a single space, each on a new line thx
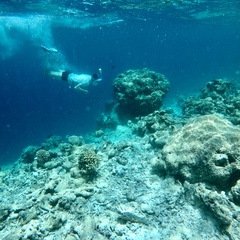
120 120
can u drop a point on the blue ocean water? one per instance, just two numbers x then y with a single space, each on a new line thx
189 52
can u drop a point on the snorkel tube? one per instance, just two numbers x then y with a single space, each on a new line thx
100 73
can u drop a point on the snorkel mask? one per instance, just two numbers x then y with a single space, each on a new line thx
97 77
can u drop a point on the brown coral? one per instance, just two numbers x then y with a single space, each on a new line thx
42 156
88 161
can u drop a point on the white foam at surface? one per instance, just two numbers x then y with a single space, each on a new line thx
37 29
15 30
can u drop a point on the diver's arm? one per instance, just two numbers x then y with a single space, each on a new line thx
78 88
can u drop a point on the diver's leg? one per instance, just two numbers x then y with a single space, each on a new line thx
49 50
55 74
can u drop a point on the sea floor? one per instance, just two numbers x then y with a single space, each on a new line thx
124 198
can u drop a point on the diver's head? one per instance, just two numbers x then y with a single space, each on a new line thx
96 79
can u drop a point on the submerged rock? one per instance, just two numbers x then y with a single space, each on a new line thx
158 126
11 236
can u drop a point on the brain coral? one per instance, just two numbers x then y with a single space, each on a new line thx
140 92
205 150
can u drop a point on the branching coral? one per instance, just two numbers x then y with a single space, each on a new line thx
88 162
42 156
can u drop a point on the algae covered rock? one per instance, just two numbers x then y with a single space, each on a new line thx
205 150
235 193
75 140
156 121
140 92
4 212
51 142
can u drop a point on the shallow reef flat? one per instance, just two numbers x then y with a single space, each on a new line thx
156 176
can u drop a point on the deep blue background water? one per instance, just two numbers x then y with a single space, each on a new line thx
34 106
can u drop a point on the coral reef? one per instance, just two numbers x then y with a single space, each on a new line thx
124 201
156 121
217 97
51 142
148 178
66 148
205 156
205 150
140 92
75 140
109 121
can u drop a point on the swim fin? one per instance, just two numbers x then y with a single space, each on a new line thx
49 50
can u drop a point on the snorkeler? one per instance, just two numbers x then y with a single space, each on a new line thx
77 81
